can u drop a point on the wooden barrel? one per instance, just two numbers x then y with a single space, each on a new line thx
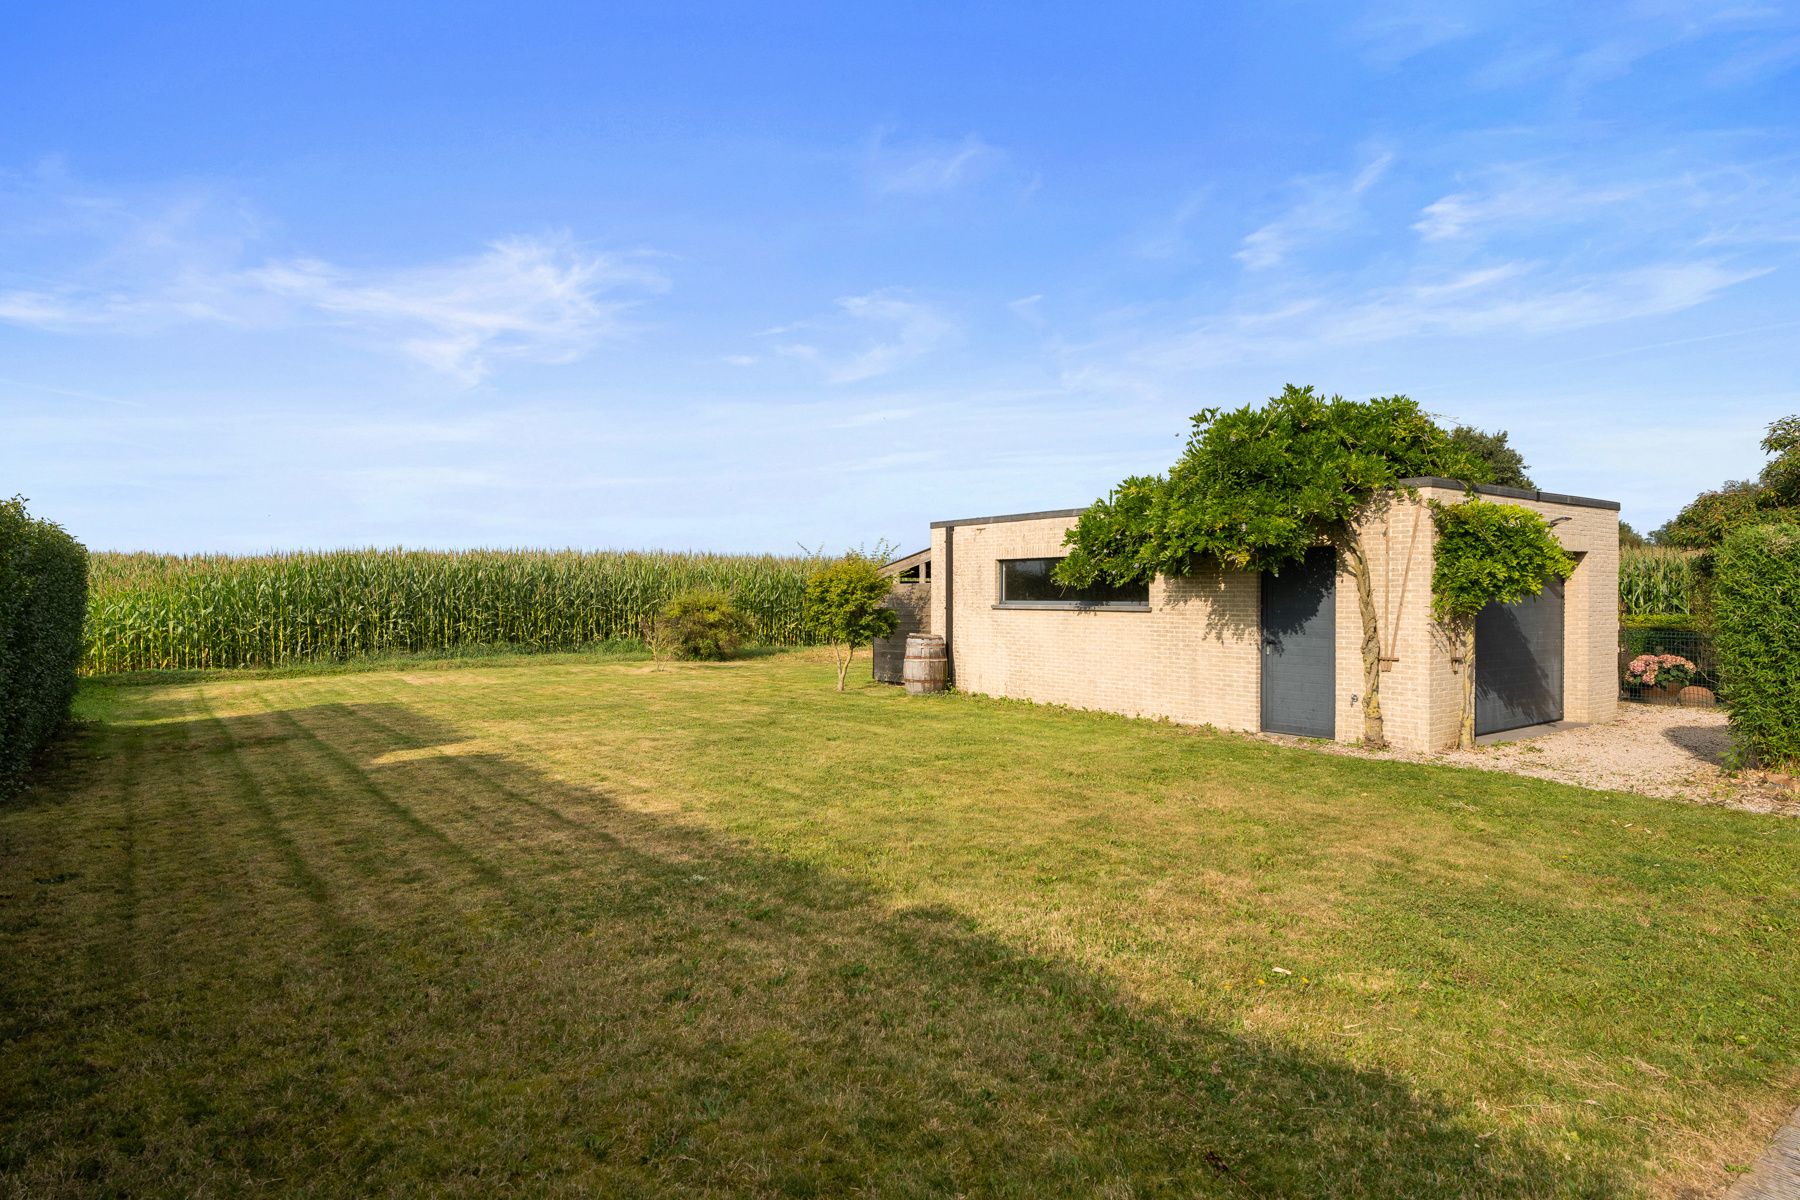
924 670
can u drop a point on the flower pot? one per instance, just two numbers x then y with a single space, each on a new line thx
1694 696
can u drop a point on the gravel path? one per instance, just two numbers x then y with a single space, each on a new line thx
1655 750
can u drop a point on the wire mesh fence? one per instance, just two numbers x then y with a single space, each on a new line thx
1667 666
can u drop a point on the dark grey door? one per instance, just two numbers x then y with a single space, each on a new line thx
1299 647
1519 662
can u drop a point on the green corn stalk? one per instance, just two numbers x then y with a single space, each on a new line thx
1655 580
150 612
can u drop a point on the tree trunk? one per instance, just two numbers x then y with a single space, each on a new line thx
843 664
1465 736
1373 735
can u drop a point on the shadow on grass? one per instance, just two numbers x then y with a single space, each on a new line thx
491 980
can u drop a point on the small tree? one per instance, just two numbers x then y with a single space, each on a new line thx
844 608
1487 553
1256 488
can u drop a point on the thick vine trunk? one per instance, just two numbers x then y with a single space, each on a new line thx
1373 734
1465 734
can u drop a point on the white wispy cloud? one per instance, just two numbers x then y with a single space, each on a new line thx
529 299
926 167
1508 298
1028 308
1168 237
1524 199
867 335
1577 50
1328 205
1392 31
1621 206
143 268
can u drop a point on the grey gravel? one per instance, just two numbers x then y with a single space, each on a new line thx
1666 751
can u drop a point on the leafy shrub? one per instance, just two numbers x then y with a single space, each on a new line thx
43 600
700 625
1668 670
1756 607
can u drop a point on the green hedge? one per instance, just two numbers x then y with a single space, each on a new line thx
1676 621
43 602
1756 617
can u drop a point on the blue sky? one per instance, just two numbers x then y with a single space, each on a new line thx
743 277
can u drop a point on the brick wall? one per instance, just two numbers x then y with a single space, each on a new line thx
1191 658
1195 656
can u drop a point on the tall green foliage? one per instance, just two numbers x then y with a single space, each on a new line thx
1656 580
1487 553
844 608
43 597
1257 487
1772 497
1756 633
151 612
1506 466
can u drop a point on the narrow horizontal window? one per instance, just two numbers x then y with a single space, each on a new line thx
1026 582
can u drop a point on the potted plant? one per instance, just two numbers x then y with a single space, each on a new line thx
1662 675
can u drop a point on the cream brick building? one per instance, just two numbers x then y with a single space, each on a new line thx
1237 651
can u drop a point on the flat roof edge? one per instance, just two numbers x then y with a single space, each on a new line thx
1484 489
905 558
1030 516
1490 489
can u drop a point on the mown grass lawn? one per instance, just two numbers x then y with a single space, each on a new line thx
578 926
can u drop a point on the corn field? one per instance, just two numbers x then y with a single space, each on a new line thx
152 612
1655 580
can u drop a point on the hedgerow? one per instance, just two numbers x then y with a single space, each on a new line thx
1756 614
43 601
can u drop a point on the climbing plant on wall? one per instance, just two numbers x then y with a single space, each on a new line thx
1486 553
1257 487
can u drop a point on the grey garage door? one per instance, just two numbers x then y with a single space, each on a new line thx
1519 662
1299 647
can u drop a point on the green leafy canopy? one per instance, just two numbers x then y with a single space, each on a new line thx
844 607
844 602
1256 487
1506 466
1772 497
